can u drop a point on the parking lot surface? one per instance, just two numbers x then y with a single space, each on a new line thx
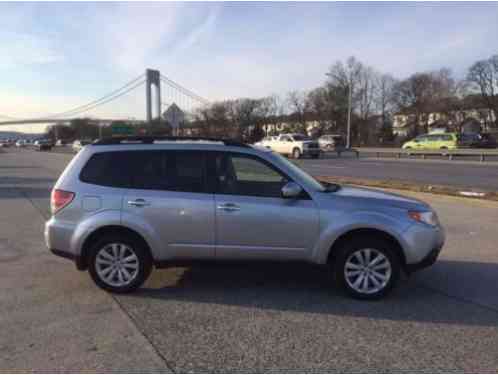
252 317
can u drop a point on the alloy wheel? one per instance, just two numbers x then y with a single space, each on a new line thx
117 264
367 271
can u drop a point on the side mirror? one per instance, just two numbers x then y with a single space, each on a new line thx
291 190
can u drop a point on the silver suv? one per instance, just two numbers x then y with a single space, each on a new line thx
125 205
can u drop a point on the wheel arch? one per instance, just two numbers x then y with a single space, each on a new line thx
366 232
82 262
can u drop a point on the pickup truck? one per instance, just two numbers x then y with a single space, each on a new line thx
295 145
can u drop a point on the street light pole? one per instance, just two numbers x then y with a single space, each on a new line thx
348 139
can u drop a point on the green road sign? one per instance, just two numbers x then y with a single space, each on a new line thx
122 129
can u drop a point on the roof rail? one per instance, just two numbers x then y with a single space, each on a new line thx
152 139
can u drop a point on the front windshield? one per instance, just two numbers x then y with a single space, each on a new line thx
309 180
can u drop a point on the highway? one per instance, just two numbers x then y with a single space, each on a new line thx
285 318
462 174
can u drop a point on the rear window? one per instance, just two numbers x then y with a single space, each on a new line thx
150 170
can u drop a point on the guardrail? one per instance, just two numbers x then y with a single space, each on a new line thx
399 153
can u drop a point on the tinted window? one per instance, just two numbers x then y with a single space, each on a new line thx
151 170
245 175
169 170
299 137
107 169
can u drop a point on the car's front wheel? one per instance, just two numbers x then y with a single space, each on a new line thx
119 263
367 268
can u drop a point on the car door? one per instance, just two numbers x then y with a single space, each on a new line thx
421 142
253 221
282 145
170 198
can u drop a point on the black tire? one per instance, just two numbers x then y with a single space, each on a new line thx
296 153
380 245
139 249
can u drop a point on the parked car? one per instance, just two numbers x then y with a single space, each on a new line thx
477 140
43 145
439 141
330 142
295 145
79 144
125 205
487 141
21 143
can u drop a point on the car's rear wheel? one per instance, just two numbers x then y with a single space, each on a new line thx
296 153
119 263
367 268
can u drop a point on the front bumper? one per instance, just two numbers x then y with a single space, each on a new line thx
423 244
427 261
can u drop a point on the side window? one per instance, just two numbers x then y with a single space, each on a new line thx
149 170
169 170
244 175
188 171
107 169
285 138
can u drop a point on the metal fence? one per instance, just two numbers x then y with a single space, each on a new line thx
481 154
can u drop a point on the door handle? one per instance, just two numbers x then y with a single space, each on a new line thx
229 207
139 203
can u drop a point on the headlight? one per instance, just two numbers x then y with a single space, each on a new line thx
426 217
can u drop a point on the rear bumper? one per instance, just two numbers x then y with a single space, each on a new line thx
58 237
67 255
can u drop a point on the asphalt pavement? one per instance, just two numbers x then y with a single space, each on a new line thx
264 317
461 174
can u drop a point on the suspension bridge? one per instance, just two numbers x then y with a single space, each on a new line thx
160 92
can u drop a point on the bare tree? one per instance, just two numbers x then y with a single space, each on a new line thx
484 76
299 107
422 94
385 103
346 77
365 98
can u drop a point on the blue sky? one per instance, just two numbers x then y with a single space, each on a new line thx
55 56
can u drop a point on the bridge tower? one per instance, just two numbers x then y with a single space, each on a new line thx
152 78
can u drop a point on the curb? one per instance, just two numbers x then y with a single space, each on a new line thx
416 187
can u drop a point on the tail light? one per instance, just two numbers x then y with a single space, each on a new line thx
60 199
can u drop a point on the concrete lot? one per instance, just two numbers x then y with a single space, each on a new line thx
239 318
